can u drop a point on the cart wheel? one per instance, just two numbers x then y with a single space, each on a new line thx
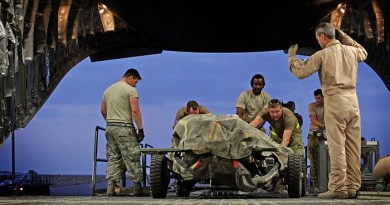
159 176
183 188
294 166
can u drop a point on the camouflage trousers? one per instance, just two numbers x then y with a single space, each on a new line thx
122 151
312 153
295 144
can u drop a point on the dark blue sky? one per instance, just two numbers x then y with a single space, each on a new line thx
60 137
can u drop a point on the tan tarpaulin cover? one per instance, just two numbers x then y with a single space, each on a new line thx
225 136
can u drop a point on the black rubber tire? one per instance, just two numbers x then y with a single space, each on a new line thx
159 176
294 166
183 188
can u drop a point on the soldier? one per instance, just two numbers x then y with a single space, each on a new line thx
250 102
192 107
336 65
382 174
291 105
317 125
285 129
119 108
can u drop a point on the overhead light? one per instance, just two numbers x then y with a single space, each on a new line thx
106 17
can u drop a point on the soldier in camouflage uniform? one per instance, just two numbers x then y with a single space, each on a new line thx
285 129
119 109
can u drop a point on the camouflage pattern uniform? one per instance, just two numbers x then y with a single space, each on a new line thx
122 149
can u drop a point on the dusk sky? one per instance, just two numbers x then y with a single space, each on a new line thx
59 139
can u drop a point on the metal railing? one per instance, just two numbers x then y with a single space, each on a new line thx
95 159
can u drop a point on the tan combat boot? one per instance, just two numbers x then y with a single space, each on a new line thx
352 194
333 195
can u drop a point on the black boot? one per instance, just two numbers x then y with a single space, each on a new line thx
380 184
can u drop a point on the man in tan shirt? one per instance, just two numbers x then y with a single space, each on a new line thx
317 126
120 108
250 102
336 65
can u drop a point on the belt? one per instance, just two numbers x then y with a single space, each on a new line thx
120 124
336 91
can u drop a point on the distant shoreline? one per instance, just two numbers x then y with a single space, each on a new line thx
66 180
58 180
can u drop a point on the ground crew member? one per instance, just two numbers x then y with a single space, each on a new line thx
317 125
192 107
119 108
336 65
250 102
291 105
285 128
382 174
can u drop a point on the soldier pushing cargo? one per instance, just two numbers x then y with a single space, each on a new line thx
192 107
250 102
285 127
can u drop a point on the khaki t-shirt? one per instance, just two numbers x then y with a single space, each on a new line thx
287 121
317 111
252 104
117 98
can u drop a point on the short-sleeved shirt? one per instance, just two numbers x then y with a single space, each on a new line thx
183 112
117 98
252 104
317 111
287 121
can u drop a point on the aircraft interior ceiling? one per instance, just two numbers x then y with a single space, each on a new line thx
41 40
